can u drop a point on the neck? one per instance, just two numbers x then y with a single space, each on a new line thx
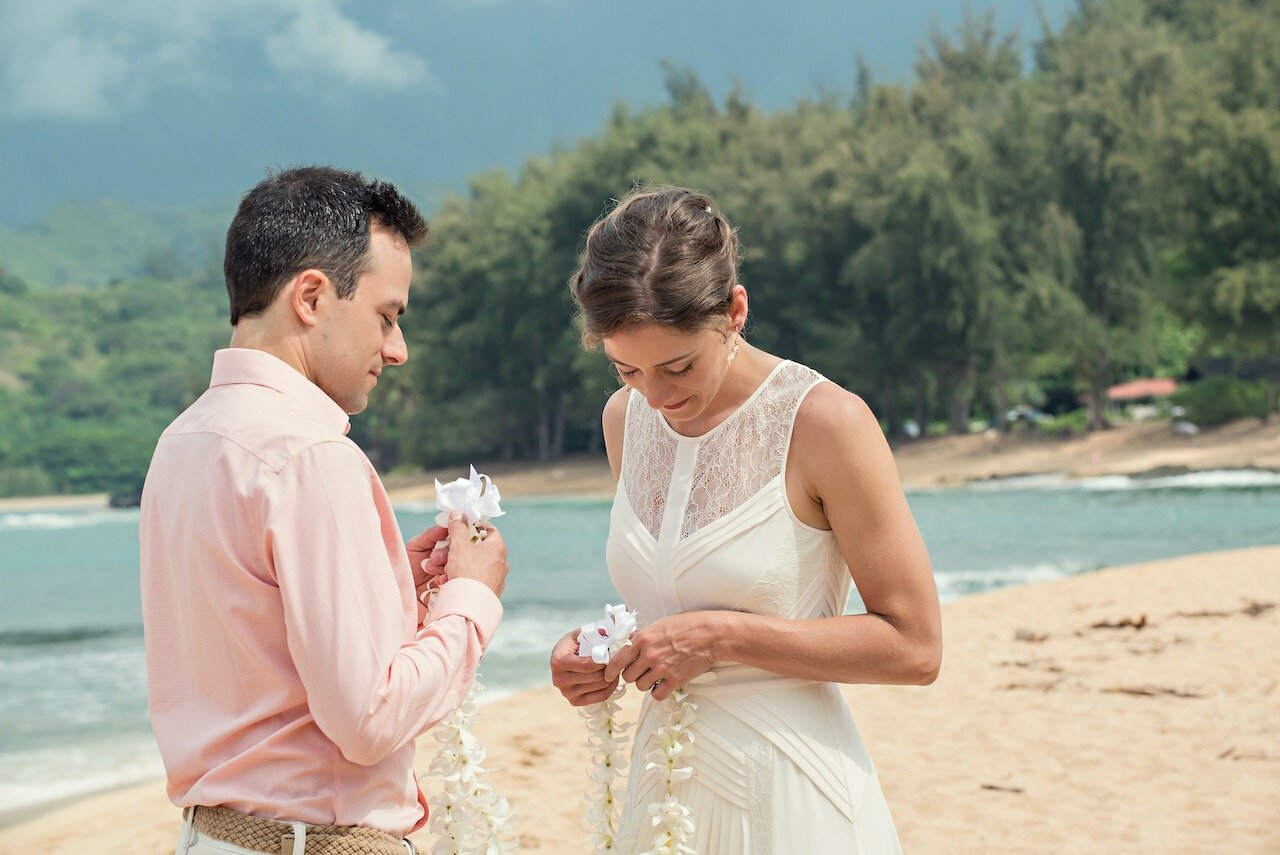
744 376
286 348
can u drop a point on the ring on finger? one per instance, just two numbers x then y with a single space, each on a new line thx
656 684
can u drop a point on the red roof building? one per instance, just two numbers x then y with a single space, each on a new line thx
1134 390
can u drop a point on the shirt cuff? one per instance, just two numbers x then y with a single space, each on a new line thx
472 600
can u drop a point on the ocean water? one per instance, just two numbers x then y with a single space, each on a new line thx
73 684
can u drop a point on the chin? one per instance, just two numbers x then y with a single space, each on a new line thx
354 404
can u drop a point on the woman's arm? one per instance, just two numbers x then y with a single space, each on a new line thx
844 463
580 680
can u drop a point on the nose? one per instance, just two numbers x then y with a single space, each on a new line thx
394 349
655 393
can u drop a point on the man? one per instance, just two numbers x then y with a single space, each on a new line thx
291 660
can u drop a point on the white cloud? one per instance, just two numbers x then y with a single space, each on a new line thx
322 44
84 59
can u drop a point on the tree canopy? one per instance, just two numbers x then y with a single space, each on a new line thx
989 233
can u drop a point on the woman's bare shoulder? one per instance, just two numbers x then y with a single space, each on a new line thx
829 408
614 421
837 437
615 410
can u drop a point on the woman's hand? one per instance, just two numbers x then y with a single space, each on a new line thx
581 681
670 652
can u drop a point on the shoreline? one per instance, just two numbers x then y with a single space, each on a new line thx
1144 450
1076 709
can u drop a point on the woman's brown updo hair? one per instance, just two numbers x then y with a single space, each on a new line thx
662 256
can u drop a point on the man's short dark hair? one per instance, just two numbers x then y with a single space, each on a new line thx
310 217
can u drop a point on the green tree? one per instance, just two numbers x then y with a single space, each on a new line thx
1107 83
1224 173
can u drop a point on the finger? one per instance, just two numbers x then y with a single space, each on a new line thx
566 660
593 697
492 535
425 540
634 671
620 660
647 680
579 682
664 690
438 557
458 530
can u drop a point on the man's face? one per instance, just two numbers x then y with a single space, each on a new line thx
361 336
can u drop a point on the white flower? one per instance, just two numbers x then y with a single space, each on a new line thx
467 816
476 498
602 639
673 820
607 741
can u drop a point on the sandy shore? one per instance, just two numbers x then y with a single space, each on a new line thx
53 503
1129 710
1134 449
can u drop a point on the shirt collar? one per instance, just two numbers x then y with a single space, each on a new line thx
233 365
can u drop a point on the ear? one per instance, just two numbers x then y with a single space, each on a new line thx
738 308
306 293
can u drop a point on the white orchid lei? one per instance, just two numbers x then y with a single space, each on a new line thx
467 816
606 737
476 498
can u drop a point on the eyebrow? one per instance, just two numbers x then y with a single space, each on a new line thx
659 365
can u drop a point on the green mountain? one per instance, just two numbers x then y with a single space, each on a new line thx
91 244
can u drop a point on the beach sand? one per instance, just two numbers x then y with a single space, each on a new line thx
1133 709
1130 449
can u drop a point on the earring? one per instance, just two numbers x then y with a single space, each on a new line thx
733 352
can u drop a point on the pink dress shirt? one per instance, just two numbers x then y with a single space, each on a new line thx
289 664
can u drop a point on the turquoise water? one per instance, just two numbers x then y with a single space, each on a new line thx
73 684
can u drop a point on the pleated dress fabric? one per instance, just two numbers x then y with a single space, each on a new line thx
704 523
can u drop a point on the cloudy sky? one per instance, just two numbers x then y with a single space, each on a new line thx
167 103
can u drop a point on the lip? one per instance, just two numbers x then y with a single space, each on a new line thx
673 407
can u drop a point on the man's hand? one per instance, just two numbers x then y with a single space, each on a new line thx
485 560
580 680
427 559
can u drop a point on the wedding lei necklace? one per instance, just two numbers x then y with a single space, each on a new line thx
467 816
606 738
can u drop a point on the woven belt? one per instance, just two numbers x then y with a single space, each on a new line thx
274 838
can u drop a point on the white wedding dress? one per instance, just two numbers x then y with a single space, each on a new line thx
704 523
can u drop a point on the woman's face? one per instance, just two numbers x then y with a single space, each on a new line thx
678 373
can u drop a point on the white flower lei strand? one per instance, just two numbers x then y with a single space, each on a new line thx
606 736
673 820
607 740
467 816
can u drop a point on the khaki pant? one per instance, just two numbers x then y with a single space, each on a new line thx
192 842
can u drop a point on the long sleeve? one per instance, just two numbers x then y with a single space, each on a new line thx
374 680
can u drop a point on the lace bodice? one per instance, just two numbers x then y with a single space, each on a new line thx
718 531
735 459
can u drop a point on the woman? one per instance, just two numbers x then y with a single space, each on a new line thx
752 493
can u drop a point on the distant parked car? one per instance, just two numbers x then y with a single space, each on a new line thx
1028 415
